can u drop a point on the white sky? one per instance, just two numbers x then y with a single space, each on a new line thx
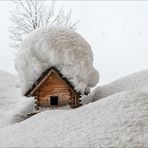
116 31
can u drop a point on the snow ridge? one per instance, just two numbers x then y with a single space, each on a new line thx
119 120
136 81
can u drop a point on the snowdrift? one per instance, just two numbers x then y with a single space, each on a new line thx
119 120
12 104
135 81
60 47
116 121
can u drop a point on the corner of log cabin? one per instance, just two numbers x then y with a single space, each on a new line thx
55 86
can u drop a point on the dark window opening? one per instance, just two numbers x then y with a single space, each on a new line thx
54 100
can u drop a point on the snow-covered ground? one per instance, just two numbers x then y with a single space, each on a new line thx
118 119
135 81
12 104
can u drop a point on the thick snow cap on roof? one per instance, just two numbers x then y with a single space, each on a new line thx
63 48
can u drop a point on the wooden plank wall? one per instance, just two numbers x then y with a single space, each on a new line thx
54 86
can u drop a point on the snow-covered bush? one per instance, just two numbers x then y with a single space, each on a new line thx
61 47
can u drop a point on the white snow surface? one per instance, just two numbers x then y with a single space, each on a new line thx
135 81
119 120
63 48
13 107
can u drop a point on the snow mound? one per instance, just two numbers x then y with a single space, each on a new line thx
60 47
135 81
9 94
116 121
12 104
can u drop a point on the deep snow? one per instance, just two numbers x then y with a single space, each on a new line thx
119 120
61 47
135 81
116 121
13 106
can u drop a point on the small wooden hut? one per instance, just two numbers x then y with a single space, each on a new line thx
53 89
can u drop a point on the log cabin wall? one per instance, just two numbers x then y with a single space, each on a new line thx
55 86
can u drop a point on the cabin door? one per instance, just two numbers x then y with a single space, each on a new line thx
53 100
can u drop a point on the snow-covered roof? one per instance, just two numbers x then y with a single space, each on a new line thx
45 75
60 47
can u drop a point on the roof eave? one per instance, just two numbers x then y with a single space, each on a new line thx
28 93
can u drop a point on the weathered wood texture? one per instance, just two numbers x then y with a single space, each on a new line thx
56 86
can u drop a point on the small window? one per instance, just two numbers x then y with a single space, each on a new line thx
53 100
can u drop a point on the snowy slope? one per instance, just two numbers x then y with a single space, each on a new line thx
12 104
8 97
116 121
119 120
136 81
